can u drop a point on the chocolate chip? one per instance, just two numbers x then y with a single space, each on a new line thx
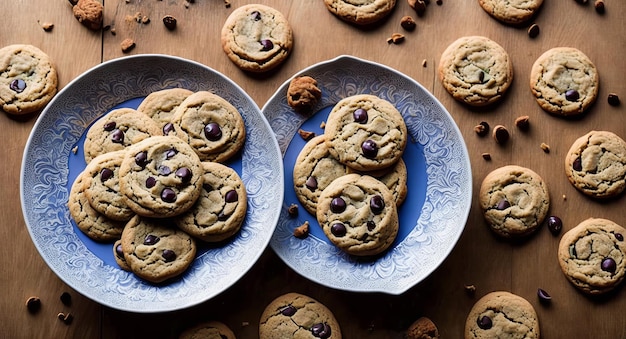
168 195
66 298
151 239
255 15
522 122
167 128
484 322
117 136
481 76
482 128
141 159
292 210
613 99
500 134
170 153
572 95
33 304
169 22
377 204
543 296
231 196
184 173
360 115
207 187
150 182
289 311
577 165
503 204
371 225
407 22
17 85
608 265
311 183
599 6
369 148
486 156
212 131
119 251
555 225
619 237
164 170
337 205
266 44
222 217
109 126
105 174
169 255
321 330
533 30
338 229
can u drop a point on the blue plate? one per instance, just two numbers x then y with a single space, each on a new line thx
53 158
439 197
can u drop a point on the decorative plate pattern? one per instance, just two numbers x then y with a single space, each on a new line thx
50 165
440 182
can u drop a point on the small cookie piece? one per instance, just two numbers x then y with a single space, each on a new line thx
210 125
102 186
475 70
155 250
221 208
395 178
117 130
422 328
160 177
118 254
596 164
28 79
208 330
257 38
313 171
161 105
358 215
514 200
592 255
511 11
564 81
303 93
366 132
502 314
294 315
95 225
360 12
89 13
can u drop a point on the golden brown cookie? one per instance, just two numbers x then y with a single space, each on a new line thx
360 12
502 314
511 11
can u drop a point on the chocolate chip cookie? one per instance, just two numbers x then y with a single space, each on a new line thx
502 314
596 164
511 11
592 255
395 178
161 105
360 12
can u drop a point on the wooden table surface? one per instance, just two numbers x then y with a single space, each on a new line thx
479 258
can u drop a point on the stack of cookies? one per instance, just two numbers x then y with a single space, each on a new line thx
155 181
352 178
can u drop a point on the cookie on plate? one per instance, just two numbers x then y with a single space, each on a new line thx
28 79
502 314
210 125
511 11
208 330
366 133
475 70
592 255
360 12
221 208
358 215
160 177
394 177
95 225
155 250
161 105
294 315
102 186
596 164
257 38
564 81
514 200
313 171
117 130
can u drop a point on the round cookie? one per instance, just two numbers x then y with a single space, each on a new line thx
102 186
294 315
118 254
95 225
210 125
502 314
313 171
208 330
358 214
564 81
511 11
117 130
592 255
475 70
160 177
156 251
395 178
221 208
161 105
422 328
360 12
366 133
28 79
596 164
514 200
256 38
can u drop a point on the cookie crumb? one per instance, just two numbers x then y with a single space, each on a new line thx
89 13
323 124
500 134
245 323
439 2
396 38
113 31
424 62
47 26
486 156
33 304
533 31
293 210
482 128
303 93
422 328
301 231
145 20
545 147
127 45
66 298
564 197
522 123
613 99
169 22
306 135
599 6
418 5
226 3
65 318
408 23
75 149
470 289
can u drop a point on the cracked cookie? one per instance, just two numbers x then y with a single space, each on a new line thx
395 178
358 214
256 38
592 255
564 81
514 200
28 79
475 70
511 11
360 12
366 133
502 314
294 315
596 164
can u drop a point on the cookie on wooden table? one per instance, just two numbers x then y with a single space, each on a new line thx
514 200
28 79
502 314
564 81
592 255
208 330
360 12
475 70
511 11
257 38
294 315
596 164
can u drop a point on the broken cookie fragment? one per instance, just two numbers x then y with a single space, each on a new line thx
303 93
89 13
